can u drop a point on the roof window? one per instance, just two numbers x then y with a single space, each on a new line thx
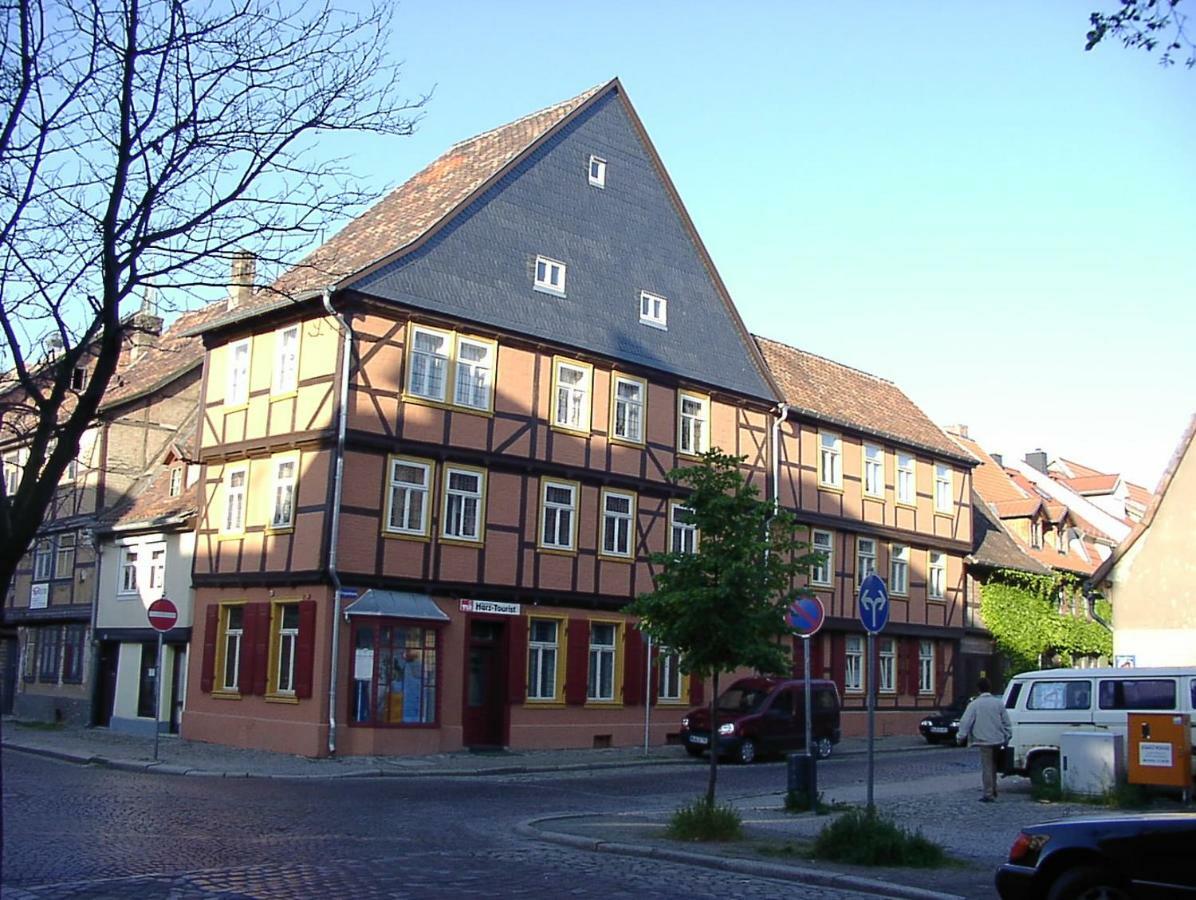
654 310
597 171
550 276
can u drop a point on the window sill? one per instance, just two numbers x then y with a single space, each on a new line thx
230 536
603 704
226 695
404 536
875 498
236 407
282 698
474 543
906 504
609 557
545 289
282 529
626 442
448 406
569 429
832 488
681 702
936 599
532 703
284 395
556 551
659 326
819 586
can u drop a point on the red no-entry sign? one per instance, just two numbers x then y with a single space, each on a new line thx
162 615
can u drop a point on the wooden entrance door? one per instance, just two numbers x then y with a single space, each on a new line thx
484 716
106 690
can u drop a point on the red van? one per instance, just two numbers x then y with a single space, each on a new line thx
761 716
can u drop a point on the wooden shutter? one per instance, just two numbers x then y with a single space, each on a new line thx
305 649
633 666
261 646
697 691
904 673
211 624
839 661
517 660
248 648
940 672
577 662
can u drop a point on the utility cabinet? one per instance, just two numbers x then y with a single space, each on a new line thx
1091 763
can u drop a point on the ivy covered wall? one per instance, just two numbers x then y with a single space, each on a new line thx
1023 613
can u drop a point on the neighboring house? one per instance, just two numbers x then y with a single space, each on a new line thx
146 550
882 490
1151 576
421 517
1109 492
47 616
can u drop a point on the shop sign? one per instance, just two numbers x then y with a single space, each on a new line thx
492 607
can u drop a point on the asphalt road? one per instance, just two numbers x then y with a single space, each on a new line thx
72 831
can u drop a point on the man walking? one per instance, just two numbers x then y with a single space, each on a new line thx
986 724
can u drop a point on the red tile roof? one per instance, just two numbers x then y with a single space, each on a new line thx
831 392
1091 484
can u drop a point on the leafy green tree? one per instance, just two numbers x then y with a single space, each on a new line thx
723 607
1149 25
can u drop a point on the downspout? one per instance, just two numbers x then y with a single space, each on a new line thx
782 413
342 418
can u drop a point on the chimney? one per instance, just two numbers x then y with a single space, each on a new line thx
1037 460
958 431
997 459
240 287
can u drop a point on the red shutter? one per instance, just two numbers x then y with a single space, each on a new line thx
211 624
839 660
248 648
633 666
517 661
940 672
261 649
697 691
577 662
305 649
903 668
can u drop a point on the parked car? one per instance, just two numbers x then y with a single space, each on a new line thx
1143 855
943 726
761 716
1043 705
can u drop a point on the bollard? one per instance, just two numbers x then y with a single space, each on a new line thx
803 779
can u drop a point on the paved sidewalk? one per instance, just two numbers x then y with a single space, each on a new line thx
103 747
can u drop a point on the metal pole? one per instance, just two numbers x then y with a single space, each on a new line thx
805 645
647 693
871 717
158 696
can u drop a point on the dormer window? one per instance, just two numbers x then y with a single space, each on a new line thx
176 481
654 310
78 378
550 276
597 171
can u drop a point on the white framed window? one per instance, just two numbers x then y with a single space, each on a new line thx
407 495
572 384
874 470
627 408
286 473
286 360
463 503
830 459
128 570
558 514
176 481
853 663
550 276
925 667
286 641
428 363
618 516
865 557
683 533
942 488
64 556
14 464
597 171
1035 534
693 423
157 570
600 686
233 620
238 373
543 655
822 542
936 573
474 373
236 479
899 569
907 480
654 310
886 665
668 664
43 560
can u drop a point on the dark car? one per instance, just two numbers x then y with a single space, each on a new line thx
761 716
1144 855
942 727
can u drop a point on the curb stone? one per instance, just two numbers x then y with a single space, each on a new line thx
532 828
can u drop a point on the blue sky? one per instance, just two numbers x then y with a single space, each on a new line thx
955 197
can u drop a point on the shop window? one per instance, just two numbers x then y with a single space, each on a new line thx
394 674
48 644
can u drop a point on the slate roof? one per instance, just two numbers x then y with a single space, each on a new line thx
831 392
994 546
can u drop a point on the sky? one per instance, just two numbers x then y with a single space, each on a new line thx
955 197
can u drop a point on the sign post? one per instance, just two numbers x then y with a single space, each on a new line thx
805 616
162 615
874 616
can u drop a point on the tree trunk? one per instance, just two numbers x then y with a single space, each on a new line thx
713 742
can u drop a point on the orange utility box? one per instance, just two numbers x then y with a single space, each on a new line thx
1160 750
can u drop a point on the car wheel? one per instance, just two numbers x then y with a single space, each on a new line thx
693 751
1044 770
747 751
1087 883
822 748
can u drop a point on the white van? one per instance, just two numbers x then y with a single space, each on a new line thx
1043 705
